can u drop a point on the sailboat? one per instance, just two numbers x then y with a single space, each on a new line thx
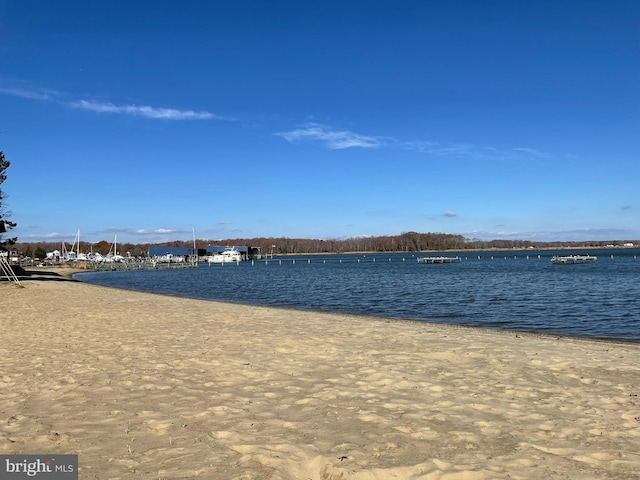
113 256
76 255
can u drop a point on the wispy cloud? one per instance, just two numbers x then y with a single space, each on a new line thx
46 237
471 151
30 94
340 139
56 235
440 149
143 111
124 235
136 235
334 139
419 146
577 235
526 150
450 214
142 231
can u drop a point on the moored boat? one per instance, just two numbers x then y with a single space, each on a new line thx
229 255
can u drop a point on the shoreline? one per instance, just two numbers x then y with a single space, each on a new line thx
472 328
71 271
143 385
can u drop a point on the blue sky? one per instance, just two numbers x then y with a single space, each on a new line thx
490 119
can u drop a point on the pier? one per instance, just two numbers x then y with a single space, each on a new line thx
438 259
139 264
563 260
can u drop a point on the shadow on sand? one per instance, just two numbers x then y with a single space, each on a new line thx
47 276
56 274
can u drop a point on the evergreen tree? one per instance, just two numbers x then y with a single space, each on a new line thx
5 225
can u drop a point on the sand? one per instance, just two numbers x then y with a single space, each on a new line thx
158 387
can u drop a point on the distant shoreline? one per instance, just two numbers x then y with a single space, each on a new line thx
65 268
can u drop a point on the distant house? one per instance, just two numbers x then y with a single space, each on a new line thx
12 256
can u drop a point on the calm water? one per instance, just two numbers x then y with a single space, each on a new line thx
520 291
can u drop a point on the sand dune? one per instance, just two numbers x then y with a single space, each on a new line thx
149 386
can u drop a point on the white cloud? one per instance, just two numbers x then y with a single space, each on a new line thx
449 150
19 92
334 139
156 235
419 146
529 151
143 231
56 235
340 139
577 235
472 151
143 111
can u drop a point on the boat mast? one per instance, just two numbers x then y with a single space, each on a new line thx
195 251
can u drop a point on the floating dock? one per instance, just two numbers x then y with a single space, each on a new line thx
563 260
438 259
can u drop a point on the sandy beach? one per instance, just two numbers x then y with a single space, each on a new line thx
157 387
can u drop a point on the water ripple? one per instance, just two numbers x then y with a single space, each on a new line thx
599 300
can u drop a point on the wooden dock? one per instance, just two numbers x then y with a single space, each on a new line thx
563 260
438 259
145 264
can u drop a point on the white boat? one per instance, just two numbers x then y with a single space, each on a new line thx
170 258
230 255
113 255
74 254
